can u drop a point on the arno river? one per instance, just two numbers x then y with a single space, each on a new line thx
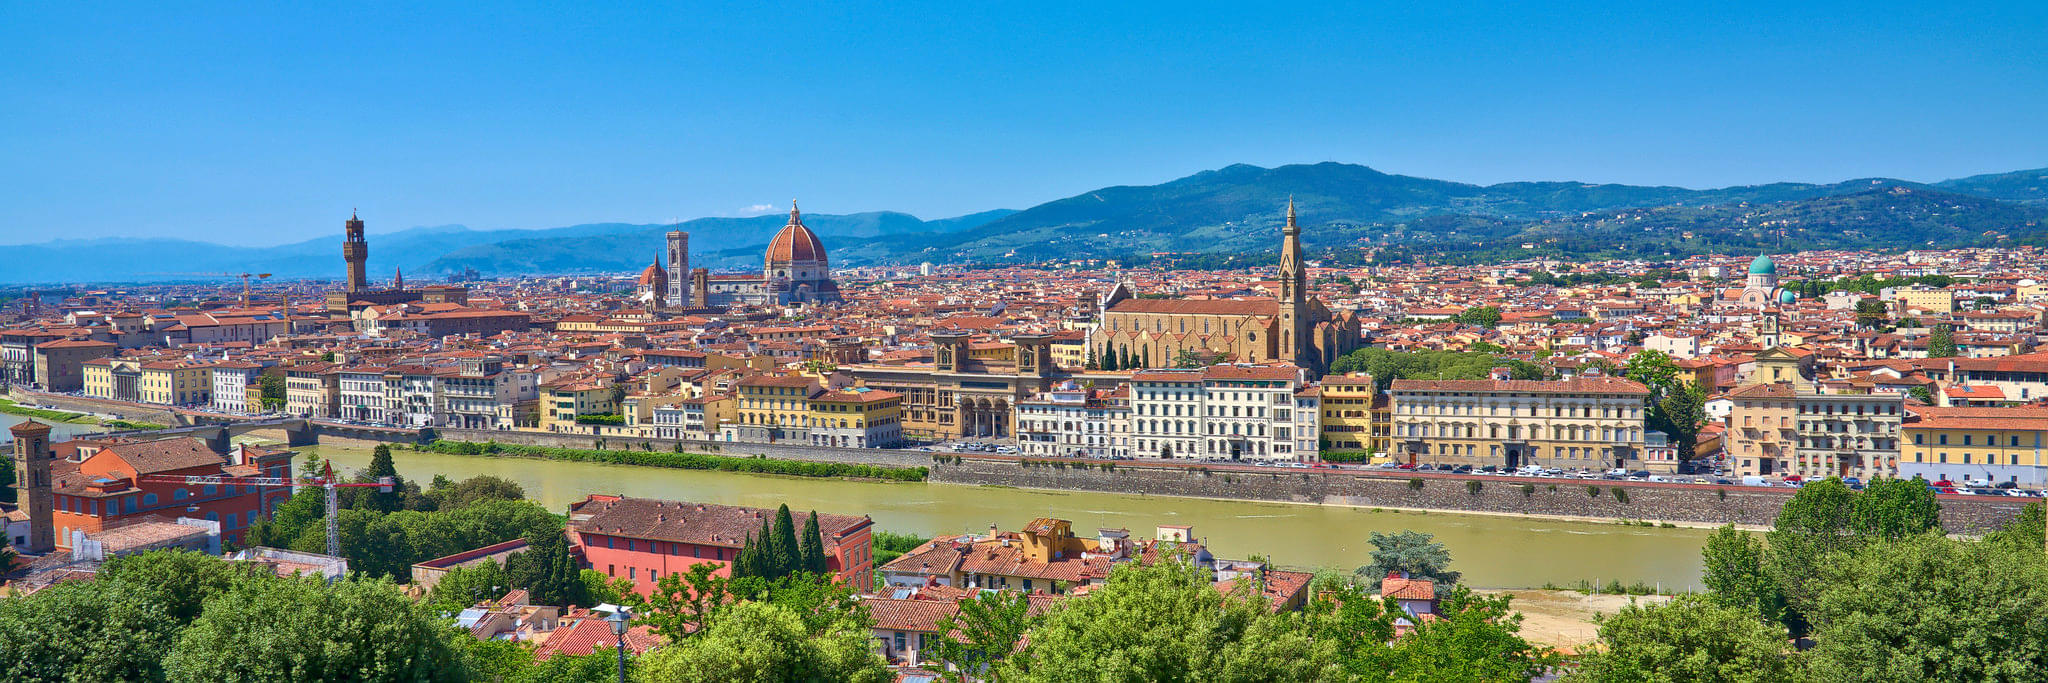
1492 551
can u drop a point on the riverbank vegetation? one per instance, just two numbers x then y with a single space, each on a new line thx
686 461
890 545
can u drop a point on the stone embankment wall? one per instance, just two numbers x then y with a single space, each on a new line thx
136 412
857 456
1568 497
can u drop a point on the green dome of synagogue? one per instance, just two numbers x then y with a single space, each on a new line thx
1763 266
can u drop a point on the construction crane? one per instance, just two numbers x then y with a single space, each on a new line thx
326 480
244 276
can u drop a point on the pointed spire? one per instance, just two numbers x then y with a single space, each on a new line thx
794 217
1291 227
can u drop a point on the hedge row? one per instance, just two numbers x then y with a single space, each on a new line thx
685 461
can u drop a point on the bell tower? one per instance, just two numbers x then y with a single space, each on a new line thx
949 350
679 279
356 251
1293 293
32 459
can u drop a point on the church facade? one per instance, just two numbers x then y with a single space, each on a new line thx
1292 327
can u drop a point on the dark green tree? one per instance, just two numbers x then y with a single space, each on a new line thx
1682 413
1413 553
783 545
271 388
1476 638
1928 608
179 581
304 629
547 571
479 488
462 587
1736 575
85 631
684 602
1892 509
1481 316
1921 394
1871 313
757 641
986 630
813 551
1690 638
1941 342
1812 527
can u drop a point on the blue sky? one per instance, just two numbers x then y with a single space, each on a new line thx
266 125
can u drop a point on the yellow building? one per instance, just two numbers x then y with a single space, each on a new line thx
1763 435
567 401
771 408
98 376
1929 299
176 383
1978 446
856 418
1581 423
148 381
1356 417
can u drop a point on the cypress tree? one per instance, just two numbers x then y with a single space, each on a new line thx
1108 358
814 546
788 556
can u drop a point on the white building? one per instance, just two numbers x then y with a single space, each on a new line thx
362 395
1072 420
1222 412
231 382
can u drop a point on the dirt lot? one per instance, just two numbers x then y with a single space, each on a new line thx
1564 619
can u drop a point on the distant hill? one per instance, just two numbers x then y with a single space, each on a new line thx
1237 209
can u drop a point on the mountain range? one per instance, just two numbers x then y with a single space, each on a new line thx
1346 211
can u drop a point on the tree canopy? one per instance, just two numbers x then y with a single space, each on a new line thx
1412 553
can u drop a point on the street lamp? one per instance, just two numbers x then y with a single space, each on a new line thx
619 620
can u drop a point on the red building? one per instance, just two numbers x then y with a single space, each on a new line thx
102 485
644 539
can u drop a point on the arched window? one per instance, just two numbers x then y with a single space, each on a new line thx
180 494
148 499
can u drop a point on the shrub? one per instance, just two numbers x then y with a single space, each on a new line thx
685 461
1722 493
1553 488
1621 495
1593 491
1472 487
1528 490
1414 484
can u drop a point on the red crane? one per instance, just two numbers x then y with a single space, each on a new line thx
326 480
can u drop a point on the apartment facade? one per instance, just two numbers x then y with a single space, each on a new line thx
1073 420
1580 423
1983 445
1223 412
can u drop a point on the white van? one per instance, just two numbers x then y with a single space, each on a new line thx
1754 480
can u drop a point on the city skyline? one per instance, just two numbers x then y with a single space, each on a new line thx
255 128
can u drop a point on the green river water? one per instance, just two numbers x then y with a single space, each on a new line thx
1492 551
